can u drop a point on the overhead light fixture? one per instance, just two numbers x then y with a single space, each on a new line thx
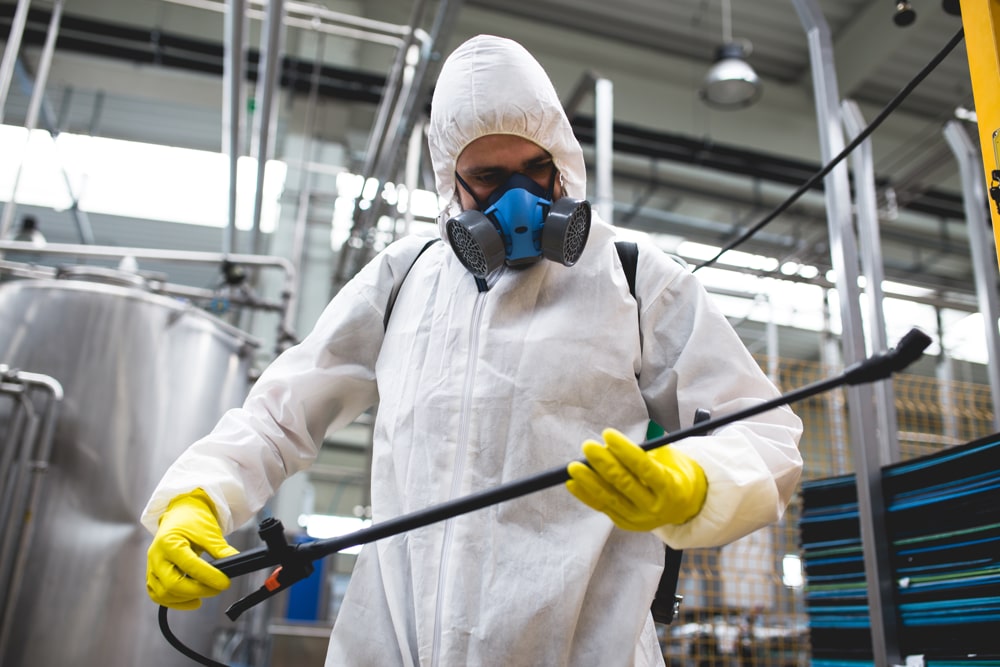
904 15
953 7
961 113
731 83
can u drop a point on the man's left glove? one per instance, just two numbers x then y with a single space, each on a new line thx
639 490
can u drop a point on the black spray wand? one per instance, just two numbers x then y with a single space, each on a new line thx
294 562
877 367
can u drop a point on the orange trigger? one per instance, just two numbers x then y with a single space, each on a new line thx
272 583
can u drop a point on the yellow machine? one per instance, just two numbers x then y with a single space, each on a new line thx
981 21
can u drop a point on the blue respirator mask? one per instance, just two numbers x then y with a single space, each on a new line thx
519 224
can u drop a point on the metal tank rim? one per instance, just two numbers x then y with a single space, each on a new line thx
79 282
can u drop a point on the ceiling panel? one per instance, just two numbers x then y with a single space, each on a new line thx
874 60
693 29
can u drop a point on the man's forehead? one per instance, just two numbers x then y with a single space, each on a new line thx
500 151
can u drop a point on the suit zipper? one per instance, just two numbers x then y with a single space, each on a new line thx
460 456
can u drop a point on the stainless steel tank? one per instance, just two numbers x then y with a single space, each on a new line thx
144 376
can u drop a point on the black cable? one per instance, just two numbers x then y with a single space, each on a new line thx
176 643
815 178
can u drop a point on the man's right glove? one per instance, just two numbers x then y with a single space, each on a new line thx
176 576
639 490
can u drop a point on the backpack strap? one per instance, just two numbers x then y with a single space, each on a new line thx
666 601
628 253
399 283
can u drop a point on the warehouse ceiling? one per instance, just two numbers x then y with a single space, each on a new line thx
874 60
705 178
874 57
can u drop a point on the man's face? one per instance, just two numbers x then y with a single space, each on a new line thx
488 162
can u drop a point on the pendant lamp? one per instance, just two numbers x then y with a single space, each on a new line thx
731 83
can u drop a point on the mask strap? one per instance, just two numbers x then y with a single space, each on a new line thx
552 181
479 204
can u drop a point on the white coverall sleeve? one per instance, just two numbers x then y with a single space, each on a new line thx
323 382
692 358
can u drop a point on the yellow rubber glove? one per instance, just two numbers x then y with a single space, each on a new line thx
176 576
639 490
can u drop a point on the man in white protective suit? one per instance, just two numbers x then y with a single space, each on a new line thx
501 356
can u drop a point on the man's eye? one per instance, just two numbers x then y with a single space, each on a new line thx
489 180
540 167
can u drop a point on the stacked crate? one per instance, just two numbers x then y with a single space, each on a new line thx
944 524
835 594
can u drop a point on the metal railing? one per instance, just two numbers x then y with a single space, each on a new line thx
29 405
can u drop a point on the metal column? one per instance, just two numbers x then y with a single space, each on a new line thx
267 79
771 332
866 205
275 15
984 263
860 398
604 145
232 107
604 132
945 374
832 358
384 164
11 50
34 105
301 230
392 93
404 115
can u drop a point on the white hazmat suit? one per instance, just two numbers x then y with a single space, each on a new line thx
479 388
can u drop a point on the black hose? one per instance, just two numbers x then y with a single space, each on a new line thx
815 178
176 643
